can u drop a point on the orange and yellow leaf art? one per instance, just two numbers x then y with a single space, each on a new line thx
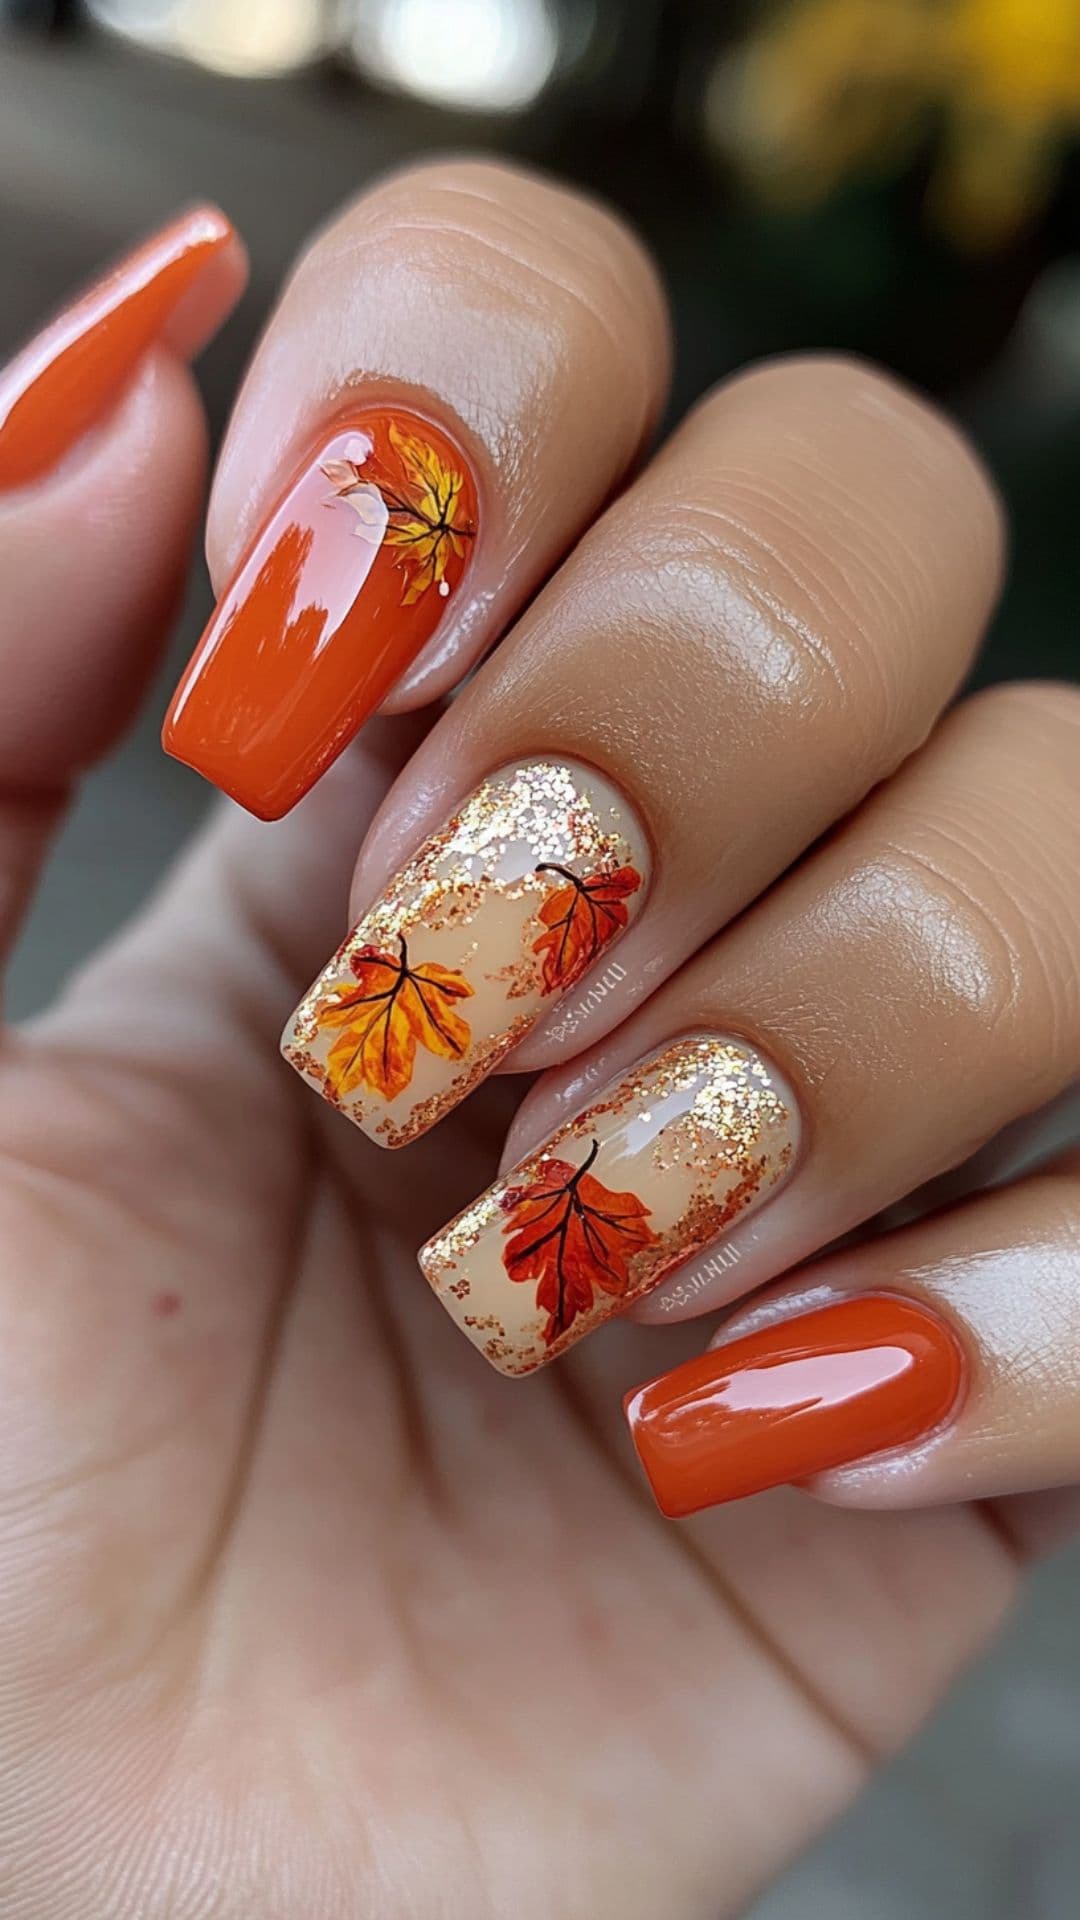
571 1235
384 1014
415 509
580 918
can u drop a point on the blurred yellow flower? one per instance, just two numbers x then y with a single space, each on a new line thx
1013 97
825 89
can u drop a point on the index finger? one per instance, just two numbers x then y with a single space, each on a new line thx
461 369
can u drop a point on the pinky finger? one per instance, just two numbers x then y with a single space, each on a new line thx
933 1365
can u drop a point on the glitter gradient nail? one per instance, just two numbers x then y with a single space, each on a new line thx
498 916
655 1170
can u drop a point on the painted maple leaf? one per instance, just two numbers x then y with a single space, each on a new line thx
415 508
384 1013
569 1236
579 919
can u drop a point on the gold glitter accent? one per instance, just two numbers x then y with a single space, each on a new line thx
466 906
519 977
428 1113
703 1221
697 1135
541 804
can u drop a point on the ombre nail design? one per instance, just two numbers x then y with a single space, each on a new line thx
73 371
792 1400
344 585
657 1168
494 920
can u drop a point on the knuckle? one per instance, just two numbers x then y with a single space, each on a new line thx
781 611
995 932
808 634
471 222
885 422
1039 718
959 942
839 581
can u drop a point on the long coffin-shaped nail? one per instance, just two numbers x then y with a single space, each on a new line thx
494 920
657 1168
70 374
346 582
792 1400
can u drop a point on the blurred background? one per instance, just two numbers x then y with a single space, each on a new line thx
896 177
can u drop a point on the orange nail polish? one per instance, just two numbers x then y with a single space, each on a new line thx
71 373
793 1400
344 585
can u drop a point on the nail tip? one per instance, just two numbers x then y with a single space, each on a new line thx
213 219
430 1259
658 1192
665 1504
261 806
290 1044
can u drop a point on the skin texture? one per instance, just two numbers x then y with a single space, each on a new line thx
305 1611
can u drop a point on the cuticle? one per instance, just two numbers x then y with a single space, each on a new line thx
381 393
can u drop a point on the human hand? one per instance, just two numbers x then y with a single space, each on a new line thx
305 1610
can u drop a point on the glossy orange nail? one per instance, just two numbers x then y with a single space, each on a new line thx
70 374
814 1392
344 585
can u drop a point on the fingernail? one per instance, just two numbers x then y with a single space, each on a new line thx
346 582
793 1400
495 919
72 372
658 1167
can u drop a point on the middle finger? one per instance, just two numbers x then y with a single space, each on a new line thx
760 631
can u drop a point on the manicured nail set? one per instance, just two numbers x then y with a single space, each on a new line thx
500 915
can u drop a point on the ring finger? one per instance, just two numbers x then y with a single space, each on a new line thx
903 995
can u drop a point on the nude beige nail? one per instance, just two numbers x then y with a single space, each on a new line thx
498 916
657 1168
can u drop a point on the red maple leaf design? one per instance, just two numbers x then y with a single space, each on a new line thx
571 1235
580 918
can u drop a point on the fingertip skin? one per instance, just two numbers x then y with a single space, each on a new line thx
72 372
793 1400
343 586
